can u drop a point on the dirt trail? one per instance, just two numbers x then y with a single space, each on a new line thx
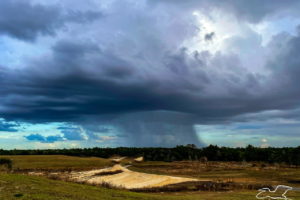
119 176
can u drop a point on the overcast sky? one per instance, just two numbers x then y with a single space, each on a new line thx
104 73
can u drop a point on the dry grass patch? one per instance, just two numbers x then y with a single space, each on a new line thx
26 163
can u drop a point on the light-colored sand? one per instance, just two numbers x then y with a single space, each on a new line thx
118 160
126 179
139 159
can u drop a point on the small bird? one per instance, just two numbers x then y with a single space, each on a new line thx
270 194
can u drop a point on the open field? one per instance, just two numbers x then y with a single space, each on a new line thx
57 162
254 172
14 186
23 186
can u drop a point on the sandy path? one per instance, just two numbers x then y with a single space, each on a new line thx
126 178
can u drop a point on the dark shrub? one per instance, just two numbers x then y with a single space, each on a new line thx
7 162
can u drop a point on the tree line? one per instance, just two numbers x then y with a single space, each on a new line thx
288 155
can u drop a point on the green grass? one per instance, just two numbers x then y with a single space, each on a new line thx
15 186
57 162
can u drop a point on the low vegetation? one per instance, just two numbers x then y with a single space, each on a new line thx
213 186
15 186
238 172
55 163
225 180
6 162
288 155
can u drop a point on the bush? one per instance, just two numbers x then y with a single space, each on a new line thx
7 162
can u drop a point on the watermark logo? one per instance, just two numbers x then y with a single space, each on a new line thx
266 193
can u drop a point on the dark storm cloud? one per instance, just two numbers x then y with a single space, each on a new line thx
26 21
252 11
75 83
132 72
256 10
158 129
43 139
8 127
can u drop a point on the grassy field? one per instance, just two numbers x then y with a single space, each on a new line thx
232 171
15 186
18 186
57 162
